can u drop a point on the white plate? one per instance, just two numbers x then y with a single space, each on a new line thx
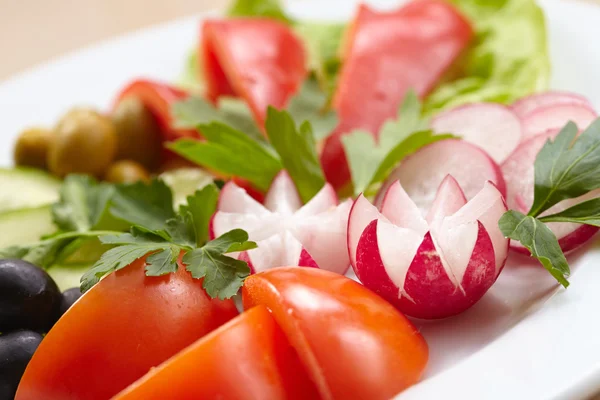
521 341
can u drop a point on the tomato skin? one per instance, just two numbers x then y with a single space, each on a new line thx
353 343
257 59
387 54
246 359
158 98
122 327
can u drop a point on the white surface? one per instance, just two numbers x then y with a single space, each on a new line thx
520 341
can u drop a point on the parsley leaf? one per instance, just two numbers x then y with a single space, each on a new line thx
539 240
258 8
587 213
144 205
370 161
231 153
567 167
201 206
311 104
296 147
223 275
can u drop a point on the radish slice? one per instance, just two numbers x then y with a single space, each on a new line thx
527 104
422 173
543 119
518 171
493 127
287 233
436 272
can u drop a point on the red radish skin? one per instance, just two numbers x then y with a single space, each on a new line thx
543 119
287 232
421 173
493 127
527 104
518 171
432 269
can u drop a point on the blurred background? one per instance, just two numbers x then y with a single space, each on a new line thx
33 31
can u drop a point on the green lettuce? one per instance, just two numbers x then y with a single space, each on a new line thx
508 58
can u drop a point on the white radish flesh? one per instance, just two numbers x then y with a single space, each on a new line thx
552 117
493 127
527 104
422 173
519 173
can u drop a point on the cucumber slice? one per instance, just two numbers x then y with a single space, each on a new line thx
68 276
25 226
26 188
184 182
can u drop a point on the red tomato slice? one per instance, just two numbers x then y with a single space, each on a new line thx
260 60
353 343
158 98
248 358
122 327
388 54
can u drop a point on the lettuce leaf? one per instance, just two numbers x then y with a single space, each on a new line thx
508 58
258 8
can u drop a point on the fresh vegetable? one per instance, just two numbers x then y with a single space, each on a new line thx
519 173
387 54
69 297
433 267
286 232
157 97
138 132
527 104
370 162
69 275
85 142
322 314
26 188
498 66
259 60
31 148
126 171
493 127
16 349
247 358
29 298
422 173
553 117
122 327
258 8
565 173
25 226
184 182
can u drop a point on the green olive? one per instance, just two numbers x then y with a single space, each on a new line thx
31 149
85 142
126 171
138 133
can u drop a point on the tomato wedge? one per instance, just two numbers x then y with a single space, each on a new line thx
248 358
259 60
388 54
353 343
158 98
122 327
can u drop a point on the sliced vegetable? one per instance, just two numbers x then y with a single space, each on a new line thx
553 117
422 173
260 60
123 327
286 232
25 226
25 188
527 104
435 267
323 315
493 127
247 358
158 98
185 182
386 55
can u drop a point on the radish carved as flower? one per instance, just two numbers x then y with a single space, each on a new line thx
287 232
432 267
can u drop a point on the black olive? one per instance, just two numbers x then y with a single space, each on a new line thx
68 298
16 350
29 298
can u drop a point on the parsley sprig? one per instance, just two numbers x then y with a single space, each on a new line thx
566 168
